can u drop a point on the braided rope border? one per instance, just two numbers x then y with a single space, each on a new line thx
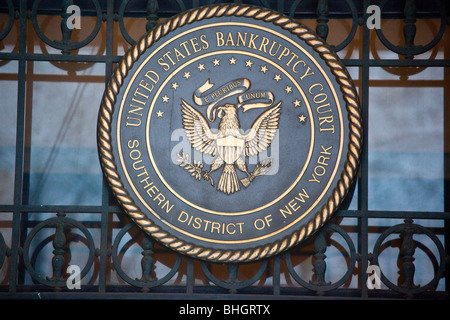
244 255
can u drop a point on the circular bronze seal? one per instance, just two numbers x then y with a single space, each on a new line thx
230 133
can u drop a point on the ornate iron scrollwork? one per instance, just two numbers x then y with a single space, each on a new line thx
147 280
409 31
10 22
320 285
61 224
65 44
407 249
233 283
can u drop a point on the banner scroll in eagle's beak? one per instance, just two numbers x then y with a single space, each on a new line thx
255 99
204 96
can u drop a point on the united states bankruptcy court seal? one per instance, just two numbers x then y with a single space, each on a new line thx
230 133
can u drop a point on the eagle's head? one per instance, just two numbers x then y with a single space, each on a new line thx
227 109
229 116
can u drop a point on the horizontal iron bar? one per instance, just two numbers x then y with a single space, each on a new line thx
393 214
104 59
116 209
344 294
397 63
169 8
58 57
60 208
166 296
299 15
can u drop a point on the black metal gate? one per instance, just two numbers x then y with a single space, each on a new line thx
116 260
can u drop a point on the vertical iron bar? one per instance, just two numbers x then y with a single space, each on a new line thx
446 151
27 140
280 6
59 244
364 179
276 276
103 238
147 261
66 32
407 250
320 266
105 189
190 276
20 139
409 29
322 19
152 14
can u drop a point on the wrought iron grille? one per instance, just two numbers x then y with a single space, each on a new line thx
40 237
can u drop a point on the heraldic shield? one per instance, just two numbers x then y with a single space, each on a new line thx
230 148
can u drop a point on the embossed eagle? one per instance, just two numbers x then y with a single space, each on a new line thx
228 144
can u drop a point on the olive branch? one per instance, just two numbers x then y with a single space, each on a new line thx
194 168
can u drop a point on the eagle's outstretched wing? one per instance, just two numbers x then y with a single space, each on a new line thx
197 129
263 130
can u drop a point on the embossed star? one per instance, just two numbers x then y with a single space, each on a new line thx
232 60
159 114
248 63
264 69
277 77
302 118
288 89
175 86
216 62
297 103
201 67
187 75
165 98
